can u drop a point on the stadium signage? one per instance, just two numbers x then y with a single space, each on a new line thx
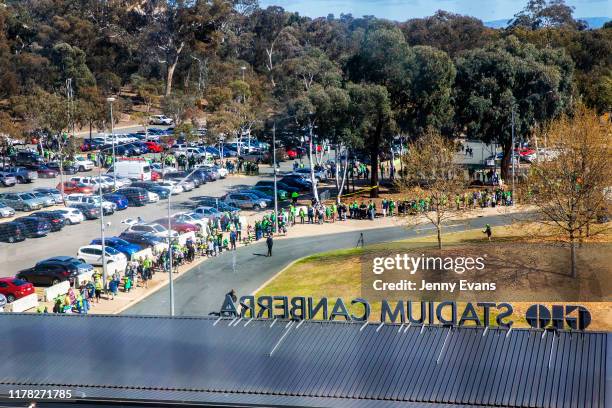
415 312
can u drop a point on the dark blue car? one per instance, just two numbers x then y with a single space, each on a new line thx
119 244
120 200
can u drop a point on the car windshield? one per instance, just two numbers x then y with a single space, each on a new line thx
159 228
112 251
27 196
18 282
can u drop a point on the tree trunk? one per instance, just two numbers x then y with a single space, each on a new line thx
572 256
374 153
506 161
313 180
439 235
171 68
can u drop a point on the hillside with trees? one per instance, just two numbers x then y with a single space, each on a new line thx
358 82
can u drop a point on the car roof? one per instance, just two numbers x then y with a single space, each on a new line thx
61 258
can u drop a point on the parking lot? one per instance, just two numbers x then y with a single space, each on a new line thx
17 256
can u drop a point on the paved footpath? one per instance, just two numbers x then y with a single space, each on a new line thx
200 290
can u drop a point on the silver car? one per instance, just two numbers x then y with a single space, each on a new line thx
46 198
6 211
53 192
245 200
21 201
7 179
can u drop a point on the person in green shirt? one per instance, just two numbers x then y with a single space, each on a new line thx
302 215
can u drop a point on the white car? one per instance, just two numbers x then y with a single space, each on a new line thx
6 211
92 254
160 120
221 170
153 229
120 181
107 206
190 219
172 186
83 164
132 221
163 170
152 197
94 183
72 215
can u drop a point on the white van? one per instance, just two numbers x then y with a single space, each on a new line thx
136 169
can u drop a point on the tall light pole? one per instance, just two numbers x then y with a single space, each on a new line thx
110 100
171 281
274 167
104 268
243 68
512 154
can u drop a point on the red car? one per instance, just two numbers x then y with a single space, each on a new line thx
13 288
71 187
155 176
180 227
292 153
154 147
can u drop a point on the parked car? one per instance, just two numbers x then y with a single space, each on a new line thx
12 231
245 200
187 218
219 205
15 288
152 197
297 181
83 164
67 169
7 179
72 187
209 212
121 245
154 147
93 144
94 182
269 191
262 196
21 201
90 211
52 192
120 201
6 211
46 198
92 254
154 229
71 215
56 219
305 173
181 227
136 196
35 227
26 158
172 185
162 192
183 176
162 169
142 239
52 271
160 120
22 174
94 200
270 184
44 171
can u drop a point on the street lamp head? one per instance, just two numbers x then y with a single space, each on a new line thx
243 68
110 99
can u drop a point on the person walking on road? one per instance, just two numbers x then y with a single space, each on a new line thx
269 243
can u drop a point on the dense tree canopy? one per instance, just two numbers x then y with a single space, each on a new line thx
360 79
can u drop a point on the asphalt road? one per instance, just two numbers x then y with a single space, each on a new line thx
201 290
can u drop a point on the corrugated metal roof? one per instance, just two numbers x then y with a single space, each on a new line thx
307 363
